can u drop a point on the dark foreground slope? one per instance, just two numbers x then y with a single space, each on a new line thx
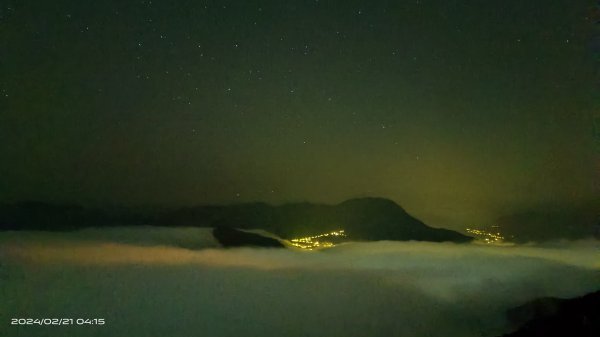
553 317
362 219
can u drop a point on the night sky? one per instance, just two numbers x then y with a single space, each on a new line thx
458 110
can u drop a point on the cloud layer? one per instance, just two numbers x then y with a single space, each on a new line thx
144 283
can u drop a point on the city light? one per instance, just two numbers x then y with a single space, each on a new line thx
318 241
487 236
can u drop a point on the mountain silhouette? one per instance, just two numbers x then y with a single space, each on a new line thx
362 219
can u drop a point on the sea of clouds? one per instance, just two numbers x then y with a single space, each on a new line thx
149 281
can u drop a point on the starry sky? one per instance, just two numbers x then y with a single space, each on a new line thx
460 111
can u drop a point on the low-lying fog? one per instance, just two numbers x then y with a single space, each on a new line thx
147 282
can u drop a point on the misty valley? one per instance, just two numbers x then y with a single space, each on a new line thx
254 269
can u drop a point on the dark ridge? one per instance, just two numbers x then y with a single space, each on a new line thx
230 237
541 307
365 219
554 317
34 215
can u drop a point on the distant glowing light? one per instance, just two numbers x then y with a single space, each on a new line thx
485 236
316 242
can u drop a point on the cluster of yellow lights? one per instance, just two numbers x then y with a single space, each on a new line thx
317 241
485 236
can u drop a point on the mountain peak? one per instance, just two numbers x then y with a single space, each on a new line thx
371 202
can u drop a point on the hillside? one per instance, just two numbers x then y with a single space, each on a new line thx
362 219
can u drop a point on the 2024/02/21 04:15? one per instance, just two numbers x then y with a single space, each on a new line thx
58 321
